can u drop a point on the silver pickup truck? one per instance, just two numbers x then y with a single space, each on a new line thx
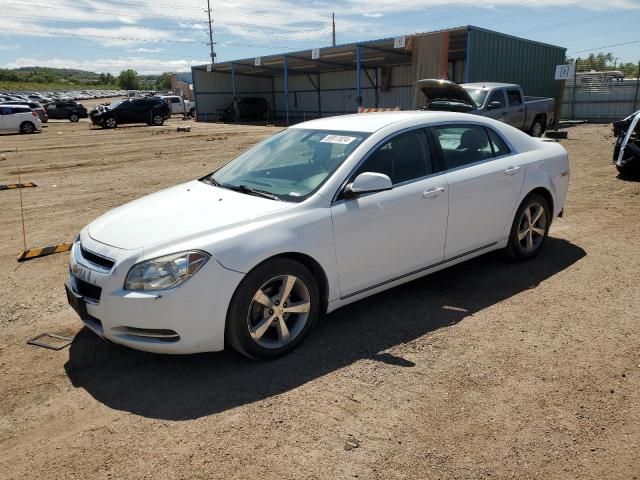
503 101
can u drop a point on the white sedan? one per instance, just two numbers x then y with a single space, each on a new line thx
313 218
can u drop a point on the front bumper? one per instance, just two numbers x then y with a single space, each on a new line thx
187 319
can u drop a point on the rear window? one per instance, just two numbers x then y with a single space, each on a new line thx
21 110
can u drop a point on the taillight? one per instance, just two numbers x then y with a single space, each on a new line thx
34 113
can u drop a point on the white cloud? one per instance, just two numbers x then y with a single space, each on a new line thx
146 50
373 15
142 65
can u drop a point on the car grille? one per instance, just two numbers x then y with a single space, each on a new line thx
96 259
90 292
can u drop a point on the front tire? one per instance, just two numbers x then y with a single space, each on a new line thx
273 309
27 127
74 118
157 119
110 123
530 228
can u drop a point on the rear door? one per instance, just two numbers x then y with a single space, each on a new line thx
485 178
515 107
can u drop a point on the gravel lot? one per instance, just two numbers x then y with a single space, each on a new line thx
490 369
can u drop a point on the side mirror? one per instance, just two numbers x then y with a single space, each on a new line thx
367 182
493 105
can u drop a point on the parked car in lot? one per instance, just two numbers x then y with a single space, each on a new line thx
180 105
502 101
19 118
313 218
626 152
66 110
149 110
248 108
35 106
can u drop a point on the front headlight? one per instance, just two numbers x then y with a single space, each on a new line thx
165 272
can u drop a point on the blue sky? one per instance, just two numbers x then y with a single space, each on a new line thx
166 35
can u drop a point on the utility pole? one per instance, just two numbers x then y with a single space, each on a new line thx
333 21
213 53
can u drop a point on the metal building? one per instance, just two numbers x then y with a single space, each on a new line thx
376 73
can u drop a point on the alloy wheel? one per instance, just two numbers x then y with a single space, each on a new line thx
279 311
27 127
532 227
158 120
110 122
536 130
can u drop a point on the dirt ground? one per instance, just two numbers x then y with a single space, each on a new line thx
490 369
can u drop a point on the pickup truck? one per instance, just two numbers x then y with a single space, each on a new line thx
502 101
180 105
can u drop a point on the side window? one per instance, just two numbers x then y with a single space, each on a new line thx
499 146
497 96
5 111
404 157
463 144
175 100
514 97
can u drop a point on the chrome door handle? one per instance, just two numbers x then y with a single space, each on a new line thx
512 170
433 192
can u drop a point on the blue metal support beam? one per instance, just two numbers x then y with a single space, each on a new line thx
233 88
286 89
358 92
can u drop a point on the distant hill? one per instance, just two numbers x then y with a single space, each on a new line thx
62 78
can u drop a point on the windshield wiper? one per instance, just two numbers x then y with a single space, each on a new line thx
251 191
209 179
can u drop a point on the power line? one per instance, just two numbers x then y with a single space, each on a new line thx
604 46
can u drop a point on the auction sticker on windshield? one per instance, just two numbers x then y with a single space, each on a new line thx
343 140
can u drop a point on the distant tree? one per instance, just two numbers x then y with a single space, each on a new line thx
128 80
629 69
164 81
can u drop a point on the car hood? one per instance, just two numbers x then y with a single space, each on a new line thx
446 90
179 213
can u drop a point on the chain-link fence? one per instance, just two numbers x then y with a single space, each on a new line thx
599 92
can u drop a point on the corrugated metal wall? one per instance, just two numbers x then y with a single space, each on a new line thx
495 57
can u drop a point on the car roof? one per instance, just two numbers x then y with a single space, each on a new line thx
371 122
13 105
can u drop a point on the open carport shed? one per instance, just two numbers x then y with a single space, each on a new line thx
377 73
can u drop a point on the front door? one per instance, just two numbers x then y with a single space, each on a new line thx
485 180
515 108
383 236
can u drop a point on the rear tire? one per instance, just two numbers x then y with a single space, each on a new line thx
273 309
537 128
74 117
27 127
530 228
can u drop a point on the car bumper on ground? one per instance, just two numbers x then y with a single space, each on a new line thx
187 319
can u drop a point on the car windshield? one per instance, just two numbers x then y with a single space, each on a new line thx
290 164
477 95
117 104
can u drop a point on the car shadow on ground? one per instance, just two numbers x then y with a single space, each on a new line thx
188 387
